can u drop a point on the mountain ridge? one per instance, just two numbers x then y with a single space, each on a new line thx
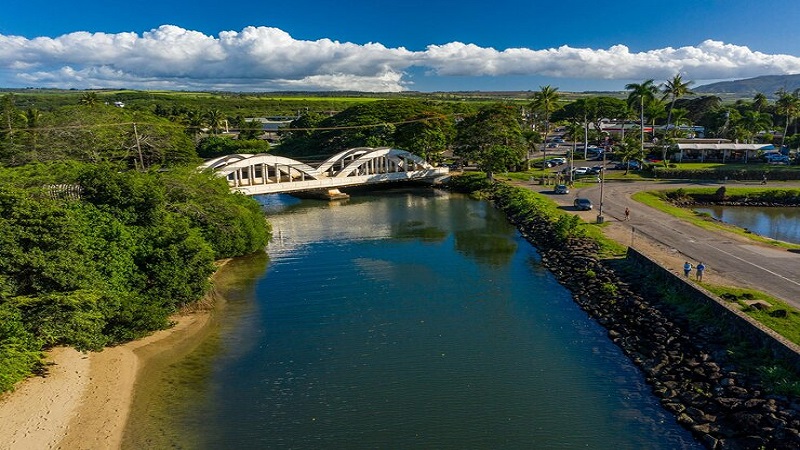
766 84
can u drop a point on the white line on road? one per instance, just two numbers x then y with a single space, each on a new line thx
754 265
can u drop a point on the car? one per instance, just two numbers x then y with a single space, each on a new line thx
552 145
558 161
582 204
561 189
581 170
595 170
632 165
776 158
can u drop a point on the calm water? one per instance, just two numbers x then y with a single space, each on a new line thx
782 223
403 319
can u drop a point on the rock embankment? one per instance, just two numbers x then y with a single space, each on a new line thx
687 369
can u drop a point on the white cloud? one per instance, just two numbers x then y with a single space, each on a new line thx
263 58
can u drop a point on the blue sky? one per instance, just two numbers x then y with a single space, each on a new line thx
574 45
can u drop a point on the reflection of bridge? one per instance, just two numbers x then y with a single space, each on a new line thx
270 174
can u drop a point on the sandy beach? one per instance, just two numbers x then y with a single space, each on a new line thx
84 401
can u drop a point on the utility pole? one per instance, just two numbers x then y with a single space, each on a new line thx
138 145
600 218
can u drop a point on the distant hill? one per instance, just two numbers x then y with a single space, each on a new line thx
767 85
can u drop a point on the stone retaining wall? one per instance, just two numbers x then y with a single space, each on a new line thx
733 318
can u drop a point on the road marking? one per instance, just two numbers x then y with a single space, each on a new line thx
755 265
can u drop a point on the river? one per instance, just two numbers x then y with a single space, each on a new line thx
407 318
781 223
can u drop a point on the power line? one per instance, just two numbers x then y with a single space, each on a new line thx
176 125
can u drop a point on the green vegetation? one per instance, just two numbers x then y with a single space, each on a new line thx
112 262
767 310
93 253
422 128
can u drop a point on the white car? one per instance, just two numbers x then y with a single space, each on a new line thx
581 170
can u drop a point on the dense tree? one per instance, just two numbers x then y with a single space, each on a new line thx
492 138
393 123
788 104
97 134
214 146
113 262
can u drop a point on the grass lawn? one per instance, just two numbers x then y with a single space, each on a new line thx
787 326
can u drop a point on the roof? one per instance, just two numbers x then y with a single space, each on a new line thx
726 146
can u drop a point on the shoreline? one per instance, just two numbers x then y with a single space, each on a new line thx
86 398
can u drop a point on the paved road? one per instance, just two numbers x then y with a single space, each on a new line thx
771 270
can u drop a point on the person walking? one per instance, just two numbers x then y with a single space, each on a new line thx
627 214
687 268
700 269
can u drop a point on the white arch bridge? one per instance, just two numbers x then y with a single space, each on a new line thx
270 174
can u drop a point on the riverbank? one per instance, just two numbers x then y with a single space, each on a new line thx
85 399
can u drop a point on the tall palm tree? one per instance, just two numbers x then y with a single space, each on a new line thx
546 101
675 89
788 104
760 102
32 118
639 94
753 122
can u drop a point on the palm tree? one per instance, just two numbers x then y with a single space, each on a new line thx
760 102
546 101
89 99
752 122
575 131
638 95
675 89
194 121
32 118
788 104
215 120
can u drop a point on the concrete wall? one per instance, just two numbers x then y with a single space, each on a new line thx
732 317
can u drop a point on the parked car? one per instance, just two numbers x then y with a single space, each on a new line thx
582 204
552 145
558 161
632 165
581 170
776 158
561 189
595 170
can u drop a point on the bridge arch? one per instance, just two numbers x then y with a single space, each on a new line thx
264 173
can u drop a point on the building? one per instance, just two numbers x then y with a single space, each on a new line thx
718 150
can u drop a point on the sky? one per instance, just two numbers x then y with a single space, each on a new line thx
378 46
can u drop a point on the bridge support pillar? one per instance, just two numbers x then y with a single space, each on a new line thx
324 194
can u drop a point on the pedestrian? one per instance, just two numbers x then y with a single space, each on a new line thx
700 269
627 214
687 268
764 180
